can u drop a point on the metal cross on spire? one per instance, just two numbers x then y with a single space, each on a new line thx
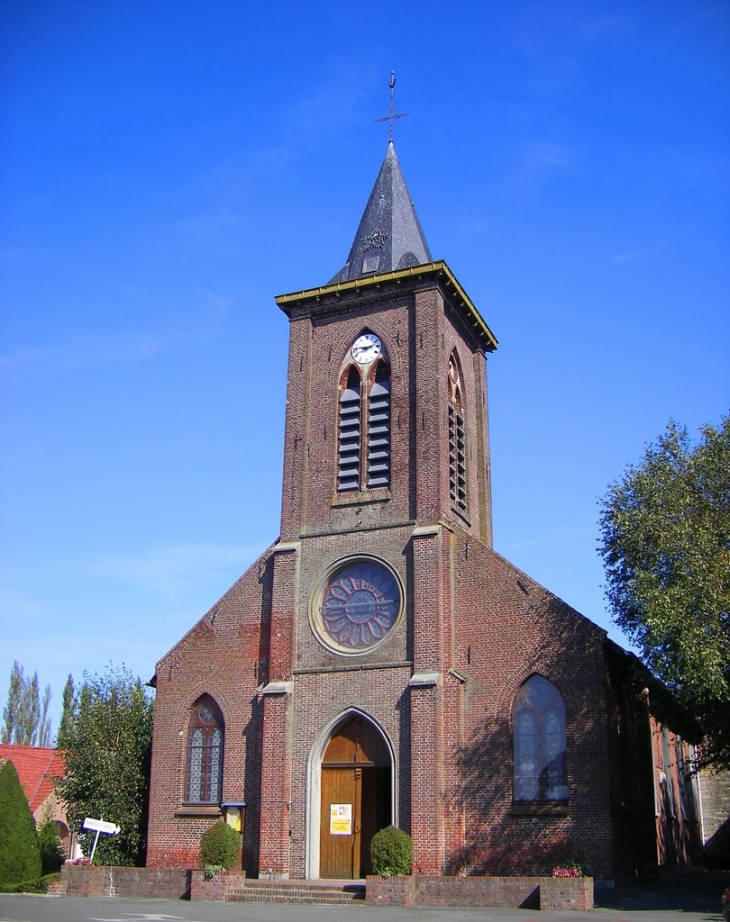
392 116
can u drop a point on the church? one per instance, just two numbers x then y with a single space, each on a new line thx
380 663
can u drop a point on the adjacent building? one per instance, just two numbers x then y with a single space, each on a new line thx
37 768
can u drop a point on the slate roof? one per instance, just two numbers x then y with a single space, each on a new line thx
36 766
389 236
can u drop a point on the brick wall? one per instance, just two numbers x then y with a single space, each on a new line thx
226 656
218 887
714 790
508 628
87 880
519 892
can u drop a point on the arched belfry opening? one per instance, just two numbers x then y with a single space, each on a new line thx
351 796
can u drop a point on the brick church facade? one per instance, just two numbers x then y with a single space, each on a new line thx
380 663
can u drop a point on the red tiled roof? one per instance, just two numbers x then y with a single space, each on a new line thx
36 767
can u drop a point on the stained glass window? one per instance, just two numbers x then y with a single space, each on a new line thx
538 730
205 753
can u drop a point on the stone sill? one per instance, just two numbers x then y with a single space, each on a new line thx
557 808
198 810
361 497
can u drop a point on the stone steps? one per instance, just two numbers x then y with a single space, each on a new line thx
276 891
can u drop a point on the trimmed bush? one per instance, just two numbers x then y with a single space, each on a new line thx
20 856
32 886
219 847
391 851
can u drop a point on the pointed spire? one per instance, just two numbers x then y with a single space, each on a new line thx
389 236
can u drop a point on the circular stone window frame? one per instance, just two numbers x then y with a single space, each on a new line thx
315 600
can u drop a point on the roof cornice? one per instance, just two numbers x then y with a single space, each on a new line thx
438 271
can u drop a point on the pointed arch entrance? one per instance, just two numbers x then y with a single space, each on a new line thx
351 797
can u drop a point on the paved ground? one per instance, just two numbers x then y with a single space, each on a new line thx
693 899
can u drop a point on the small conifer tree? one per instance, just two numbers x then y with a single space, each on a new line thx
49 841
20 855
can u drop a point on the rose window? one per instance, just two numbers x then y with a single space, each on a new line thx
359 605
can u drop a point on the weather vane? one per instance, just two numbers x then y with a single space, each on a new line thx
392 116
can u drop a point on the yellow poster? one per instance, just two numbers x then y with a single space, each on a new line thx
340 819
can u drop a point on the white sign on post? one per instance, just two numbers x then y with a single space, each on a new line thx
109 829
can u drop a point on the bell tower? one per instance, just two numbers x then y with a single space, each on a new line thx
387 397
386 474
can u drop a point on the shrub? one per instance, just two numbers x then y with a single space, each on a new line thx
31 886
219 847
391 851
20 856
49 841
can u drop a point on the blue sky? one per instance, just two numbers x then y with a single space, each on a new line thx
166 168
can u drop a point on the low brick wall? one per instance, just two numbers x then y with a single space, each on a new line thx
219 887
87 880
514 892
418 890
566 893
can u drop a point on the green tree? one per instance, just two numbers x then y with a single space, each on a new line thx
25 718
68 713
26 733
12 710
44 724
665 543
107 751
20 855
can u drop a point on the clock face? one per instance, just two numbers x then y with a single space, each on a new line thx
366 348
360 604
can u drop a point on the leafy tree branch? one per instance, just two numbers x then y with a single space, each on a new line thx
665 543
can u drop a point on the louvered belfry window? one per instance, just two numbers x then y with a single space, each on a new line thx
379 429
457 440
363 426
349 434
205 753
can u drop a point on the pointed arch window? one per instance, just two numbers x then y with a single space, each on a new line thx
364 432
457 439
204 773
350 433
379 428
539 742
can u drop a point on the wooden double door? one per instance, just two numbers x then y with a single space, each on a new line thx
356 799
